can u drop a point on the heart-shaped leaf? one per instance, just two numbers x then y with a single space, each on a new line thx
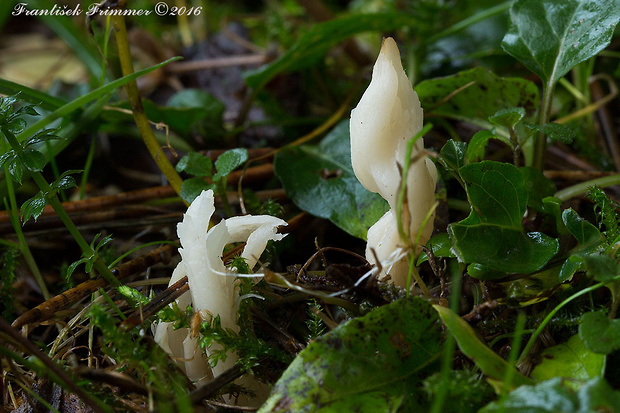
599 333
492 235
551 37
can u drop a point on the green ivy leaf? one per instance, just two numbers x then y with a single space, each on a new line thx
480 94
492 235
538 187
555 131
599 333
486 359
195 164
320 180
551 37
588 237
369 364
314 43
554 396
507 118
33 207
229 161
33 160
569 360
191 188
453 155
478 143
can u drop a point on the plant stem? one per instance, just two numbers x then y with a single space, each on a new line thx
142 122
38 178
483 15
545 114
552 313
581 188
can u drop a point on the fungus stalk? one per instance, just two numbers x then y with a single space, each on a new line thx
213 288
388 115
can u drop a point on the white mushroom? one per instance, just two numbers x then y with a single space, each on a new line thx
212 287
386 118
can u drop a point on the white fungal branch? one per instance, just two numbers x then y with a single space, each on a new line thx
213 289
388 115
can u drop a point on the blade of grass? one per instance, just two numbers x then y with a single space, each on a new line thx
87 98
30 95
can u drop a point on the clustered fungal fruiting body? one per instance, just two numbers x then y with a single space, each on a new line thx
388 115
213 289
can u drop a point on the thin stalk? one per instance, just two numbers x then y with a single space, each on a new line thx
13 214
38 178
581 188
514 352
142 122
545 115
552 313
483 15
447 357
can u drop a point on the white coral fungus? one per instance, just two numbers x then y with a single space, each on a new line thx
388 115
212 287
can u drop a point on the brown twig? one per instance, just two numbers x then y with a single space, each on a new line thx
32 349
46 310
217 62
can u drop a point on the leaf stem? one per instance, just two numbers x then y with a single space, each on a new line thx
581 188
545 115
552 313
142 122
52 196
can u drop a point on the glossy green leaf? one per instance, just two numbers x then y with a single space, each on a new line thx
369 364
453 155
192 187
571 360
229 161
314 43
507 118
588 237
16 126
33 207
492 235
16 169
599 333
195 164
33 160
478 144
551 37
538 187
492 365
320 180
602 267
65 181
555 396
441 245
563 133
194 110
476 94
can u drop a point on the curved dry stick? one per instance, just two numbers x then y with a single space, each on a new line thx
46 310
